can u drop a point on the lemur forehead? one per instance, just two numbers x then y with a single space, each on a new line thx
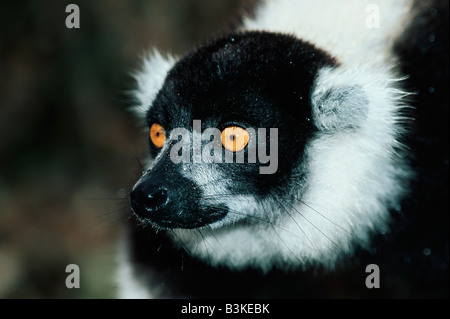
265 48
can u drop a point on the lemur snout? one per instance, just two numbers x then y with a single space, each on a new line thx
171 201
153 202
144 203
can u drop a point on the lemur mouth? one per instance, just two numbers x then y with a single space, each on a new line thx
165 216
202 217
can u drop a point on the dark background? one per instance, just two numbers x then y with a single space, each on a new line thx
69 148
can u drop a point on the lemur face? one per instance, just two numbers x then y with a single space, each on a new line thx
313 147
236 89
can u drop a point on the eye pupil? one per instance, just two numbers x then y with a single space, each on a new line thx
157 135
235 138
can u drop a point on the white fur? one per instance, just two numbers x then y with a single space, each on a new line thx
337 26
128 285
354 175
150 80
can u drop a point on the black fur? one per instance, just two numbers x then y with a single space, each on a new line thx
416 253
254 80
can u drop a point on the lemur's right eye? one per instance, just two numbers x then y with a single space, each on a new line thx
157 135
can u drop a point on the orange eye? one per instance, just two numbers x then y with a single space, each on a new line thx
234 138
157 135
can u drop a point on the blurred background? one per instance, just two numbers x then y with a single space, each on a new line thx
69 148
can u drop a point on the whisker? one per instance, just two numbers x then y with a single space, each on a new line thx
108 188
141 166
296 210
214 236
276 197
328 219
182 260
102 198
290 250
295 221
180 241
272 225
113 212
259 219
206 247
101 220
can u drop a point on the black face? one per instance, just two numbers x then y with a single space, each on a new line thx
250 80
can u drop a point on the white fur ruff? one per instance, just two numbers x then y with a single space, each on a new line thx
354 175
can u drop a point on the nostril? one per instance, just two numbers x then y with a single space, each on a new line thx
155 200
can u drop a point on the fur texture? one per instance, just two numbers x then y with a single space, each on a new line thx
344 95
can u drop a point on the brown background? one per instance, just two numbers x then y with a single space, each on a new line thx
69 149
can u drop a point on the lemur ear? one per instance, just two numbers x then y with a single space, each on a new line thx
150 79
337 106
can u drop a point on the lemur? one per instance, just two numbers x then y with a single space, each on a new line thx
356 92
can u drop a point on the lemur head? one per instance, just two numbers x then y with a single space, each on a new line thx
267 150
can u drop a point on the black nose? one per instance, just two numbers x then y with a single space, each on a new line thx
155 200
145 203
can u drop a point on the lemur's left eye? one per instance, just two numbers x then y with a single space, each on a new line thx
235 138
157 135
